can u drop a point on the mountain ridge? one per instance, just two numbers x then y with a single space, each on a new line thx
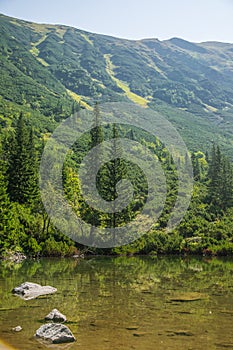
109 35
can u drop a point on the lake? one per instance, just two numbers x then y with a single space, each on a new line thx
142 303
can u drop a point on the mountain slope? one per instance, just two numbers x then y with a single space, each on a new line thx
47 70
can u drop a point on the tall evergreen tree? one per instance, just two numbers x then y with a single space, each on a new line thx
32 189
4 199
97 135
7 221
89 213
214 175
23 167
112 173
196 167
220 177
226 184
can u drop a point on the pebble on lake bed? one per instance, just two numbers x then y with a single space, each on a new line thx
17 329
186 297
55 316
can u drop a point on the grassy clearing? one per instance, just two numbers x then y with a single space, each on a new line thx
42 61
131 95
16 23
60 31
43 38
87 39
78 99
35 51
39 28
211 108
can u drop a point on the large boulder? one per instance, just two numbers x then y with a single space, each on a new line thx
55 316
28 290
55 333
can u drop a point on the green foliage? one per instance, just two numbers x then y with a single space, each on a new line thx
51 247
23 169
206 229
220 181
24 225
190 84
48 72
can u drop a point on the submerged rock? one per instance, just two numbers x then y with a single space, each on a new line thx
55 316
224 345
140 334
55 333
183 333
132 328
187 297
17 329
28 290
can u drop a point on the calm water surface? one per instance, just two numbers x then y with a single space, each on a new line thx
124 303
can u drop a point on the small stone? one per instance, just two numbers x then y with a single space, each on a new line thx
55 333
187 297
184 333
56 316
224 345
180 333
132 328
17 329
139 334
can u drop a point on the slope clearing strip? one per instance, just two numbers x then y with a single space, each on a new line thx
87 39
35 51
78 99
131 95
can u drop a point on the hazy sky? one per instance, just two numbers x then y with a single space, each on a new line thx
194 20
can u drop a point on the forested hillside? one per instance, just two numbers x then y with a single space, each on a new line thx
58 67
50 72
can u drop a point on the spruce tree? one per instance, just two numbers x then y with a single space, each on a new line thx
214 175
196 167
23 165
88 213
226 184
97 135
112 173
220 177
7 219
4 199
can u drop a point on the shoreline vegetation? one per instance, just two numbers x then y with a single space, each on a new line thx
206 229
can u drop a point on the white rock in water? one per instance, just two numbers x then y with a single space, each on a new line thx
17 329
56 316
55 333
29 290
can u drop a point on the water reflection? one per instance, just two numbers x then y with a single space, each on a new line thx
124 303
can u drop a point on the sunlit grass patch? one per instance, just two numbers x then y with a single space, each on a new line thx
78 99
131 95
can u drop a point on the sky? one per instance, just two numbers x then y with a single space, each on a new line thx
192 20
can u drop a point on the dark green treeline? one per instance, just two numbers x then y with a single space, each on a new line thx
207 227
